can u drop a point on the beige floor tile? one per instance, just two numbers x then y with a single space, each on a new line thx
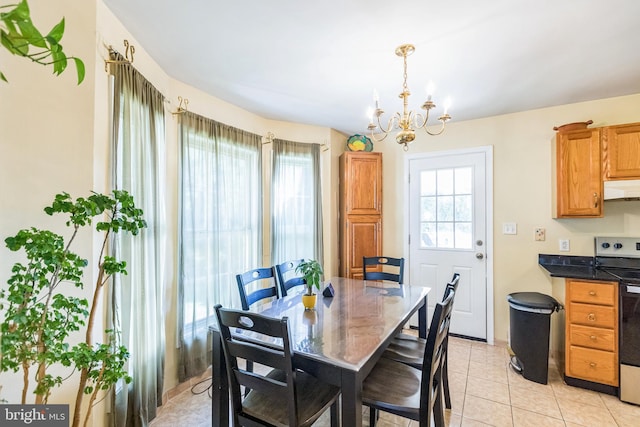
489 355
487 411
543 403
517 380
585 415
576 394
625 414
488 372
477 386
488 389
458 364
467 422
522 418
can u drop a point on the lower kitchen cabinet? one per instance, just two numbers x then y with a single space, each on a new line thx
591 347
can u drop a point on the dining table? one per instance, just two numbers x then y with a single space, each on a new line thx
339 341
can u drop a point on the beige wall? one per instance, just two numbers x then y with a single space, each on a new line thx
46 146
522 191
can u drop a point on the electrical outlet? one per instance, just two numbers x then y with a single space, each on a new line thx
564 245
539 234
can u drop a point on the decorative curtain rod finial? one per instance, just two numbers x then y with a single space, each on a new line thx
183 103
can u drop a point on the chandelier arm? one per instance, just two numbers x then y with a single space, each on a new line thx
376 139
436 133
421 120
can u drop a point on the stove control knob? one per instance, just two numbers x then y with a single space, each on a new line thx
605 245
617 245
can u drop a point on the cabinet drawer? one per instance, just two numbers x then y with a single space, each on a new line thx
593 365
598 338
592 315
592 292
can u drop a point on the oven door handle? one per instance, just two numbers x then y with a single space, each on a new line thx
632 289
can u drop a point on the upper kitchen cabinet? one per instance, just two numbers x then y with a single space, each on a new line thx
621 151
578 174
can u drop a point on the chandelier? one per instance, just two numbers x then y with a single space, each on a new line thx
407 121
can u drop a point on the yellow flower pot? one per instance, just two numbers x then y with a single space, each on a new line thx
309 301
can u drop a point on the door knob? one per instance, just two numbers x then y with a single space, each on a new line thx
479 255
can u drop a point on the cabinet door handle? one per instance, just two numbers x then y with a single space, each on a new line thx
592 364
591 317
592 293
596 200
593 337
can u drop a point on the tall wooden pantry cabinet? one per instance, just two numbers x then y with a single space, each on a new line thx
360 210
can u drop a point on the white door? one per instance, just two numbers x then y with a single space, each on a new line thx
447 222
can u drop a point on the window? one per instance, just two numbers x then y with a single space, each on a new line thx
446 208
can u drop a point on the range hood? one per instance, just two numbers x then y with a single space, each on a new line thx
622 190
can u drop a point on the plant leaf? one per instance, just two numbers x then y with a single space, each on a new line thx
79 68
57 32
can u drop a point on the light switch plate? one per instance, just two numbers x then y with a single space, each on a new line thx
509 228
539 234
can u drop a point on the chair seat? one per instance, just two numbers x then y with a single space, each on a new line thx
314 397
407 349
393 387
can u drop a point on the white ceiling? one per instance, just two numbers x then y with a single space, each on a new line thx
319 62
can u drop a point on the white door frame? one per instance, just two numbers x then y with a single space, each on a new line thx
488 152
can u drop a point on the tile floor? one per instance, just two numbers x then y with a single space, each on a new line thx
484 392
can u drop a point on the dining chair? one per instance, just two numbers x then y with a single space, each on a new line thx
409 349
282 271
383 261
247 299
403 390
284 396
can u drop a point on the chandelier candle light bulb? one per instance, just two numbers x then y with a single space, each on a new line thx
405 122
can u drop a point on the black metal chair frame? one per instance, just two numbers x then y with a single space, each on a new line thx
383 275
419 344
281 273
244 279
305 397
430 402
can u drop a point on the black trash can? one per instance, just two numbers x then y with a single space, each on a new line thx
530 321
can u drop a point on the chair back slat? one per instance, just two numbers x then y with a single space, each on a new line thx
259 274
381 262
451 286
285 279
438 332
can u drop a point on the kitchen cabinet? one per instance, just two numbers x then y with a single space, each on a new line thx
591 331
360 210
621 151
578 174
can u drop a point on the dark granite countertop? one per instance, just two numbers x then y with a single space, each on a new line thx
573 267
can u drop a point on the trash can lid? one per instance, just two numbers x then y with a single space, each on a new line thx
533 300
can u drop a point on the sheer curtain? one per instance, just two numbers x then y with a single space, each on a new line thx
296 202
220 230
136 302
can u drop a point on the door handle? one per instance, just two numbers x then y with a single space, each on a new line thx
479 255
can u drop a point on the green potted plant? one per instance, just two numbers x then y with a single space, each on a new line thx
40 309
311 271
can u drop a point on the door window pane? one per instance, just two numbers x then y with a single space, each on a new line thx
446 208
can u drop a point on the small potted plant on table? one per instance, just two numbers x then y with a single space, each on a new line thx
311 271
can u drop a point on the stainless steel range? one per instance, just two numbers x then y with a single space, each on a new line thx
620 257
